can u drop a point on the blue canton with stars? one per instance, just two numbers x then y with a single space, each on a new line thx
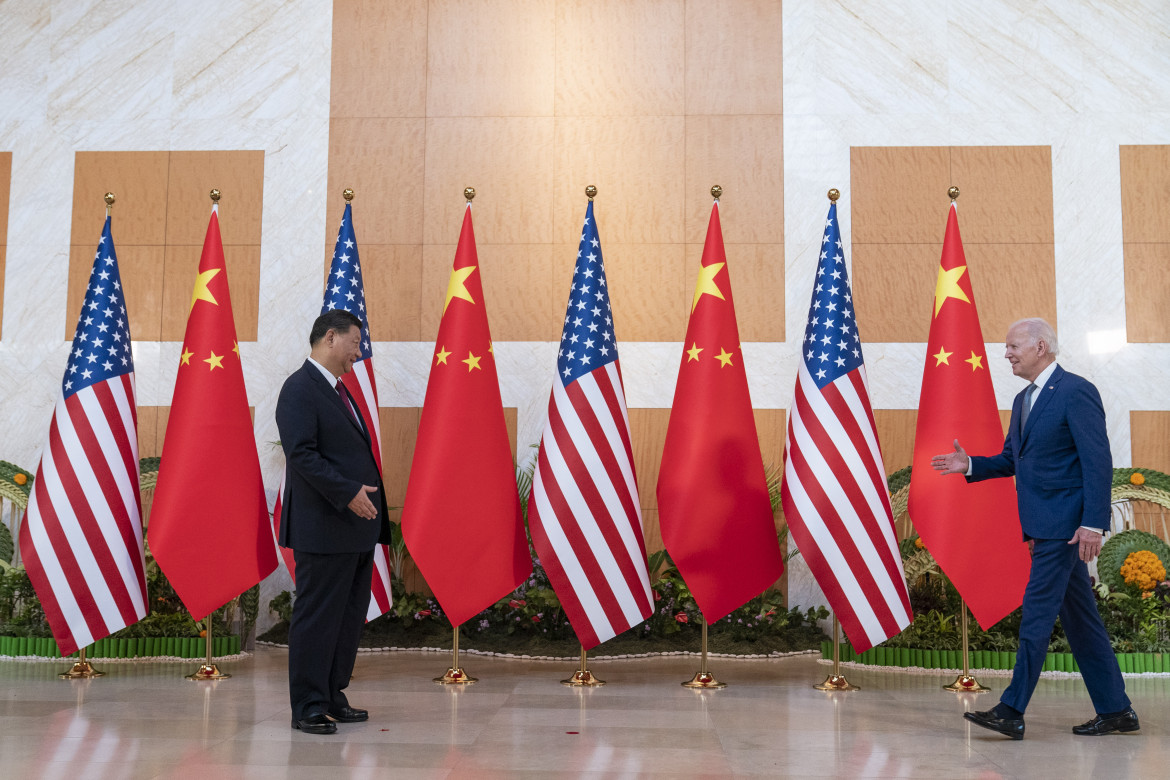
832 346
101 345
344 289
587 341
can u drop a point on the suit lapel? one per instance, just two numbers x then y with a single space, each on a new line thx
1041 403
331 393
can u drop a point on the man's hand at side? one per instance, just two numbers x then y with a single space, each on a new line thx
1089 541
361 504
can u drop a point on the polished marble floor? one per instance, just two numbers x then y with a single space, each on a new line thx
146 721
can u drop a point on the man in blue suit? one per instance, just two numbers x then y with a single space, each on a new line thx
333 514
1058 450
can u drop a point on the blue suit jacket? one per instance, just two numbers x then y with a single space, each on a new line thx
1061 461
328 459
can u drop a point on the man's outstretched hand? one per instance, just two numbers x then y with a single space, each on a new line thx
955 462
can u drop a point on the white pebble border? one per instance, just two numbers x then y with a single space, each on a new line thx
973 672
522 657
145 659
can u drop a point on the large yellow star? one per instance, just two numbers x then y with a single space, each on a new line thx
472 361
706 283
201 293
693 352
976 361
441 356
942 356
724 357
948 286
457 287
186 356
215 361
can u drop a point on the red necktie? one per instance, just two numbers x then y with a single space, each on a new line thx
345 397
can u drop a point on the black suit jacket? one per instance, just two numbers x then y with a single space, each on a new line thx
328 459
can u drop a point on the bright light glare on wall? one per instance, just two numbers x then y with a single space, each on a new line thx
1102 342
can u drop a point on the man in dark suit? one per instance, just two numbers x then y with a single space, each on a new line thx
1058 450
334 513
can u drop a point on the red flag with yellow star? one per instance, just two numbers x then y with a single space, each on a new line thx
461 516
209 520
713 504
972 530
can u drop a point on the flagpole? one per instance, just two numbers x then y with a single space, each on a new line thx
583 677
83 669
703 678
455 675
836 681
208 671
965 682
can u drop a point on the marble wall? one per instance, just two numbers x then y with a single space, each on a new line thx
1082 78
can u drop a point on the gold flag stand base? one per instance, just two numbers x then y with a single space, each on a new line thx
208 670
965 682
82 670
703 679
583 677
836 681
455 674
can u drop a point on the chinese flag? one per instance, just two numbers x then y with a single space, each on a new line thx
973 530
713 503
461 517
209 527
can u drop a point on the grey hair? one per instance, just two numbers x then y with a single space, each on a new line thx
1039 330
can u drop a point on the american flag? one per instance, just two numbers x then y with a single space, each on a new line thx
82 536
344 290
584 514
835 495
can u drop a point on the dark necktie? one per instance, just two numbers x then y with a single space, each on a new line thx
1028 393
345 397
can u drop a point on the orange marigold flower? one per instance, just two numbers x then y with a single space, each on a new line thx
919 543
19 478
1137 478
1144 569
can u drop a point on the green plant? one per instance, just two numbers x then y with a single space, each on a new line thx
281 604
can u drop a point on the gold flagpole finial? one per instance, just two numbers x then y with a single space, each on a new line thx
109 202
469 193
591 192
953 193
347 193
834 194
716 192
214 196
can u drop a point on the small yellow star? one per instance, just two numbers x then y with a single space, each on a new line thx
491 348
724 357
942 356
441 356
236 349
693 352
976 361
201 293
706 284
215 361
186 357
472 361
457 286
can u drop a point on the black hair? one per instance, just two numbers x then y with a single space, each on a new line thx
337 320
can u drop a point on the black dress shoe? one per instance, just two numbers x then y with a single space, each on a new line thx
316 723
349 714
1009 727
1125 722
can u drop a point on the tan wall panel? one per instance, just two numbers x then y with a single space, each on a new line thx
1145 194
392 276
651 531
399 428
771 428
899 194
238 175
893 290
138 181
517 286
379 58
895 429
181 265
733 57
1006 193
149 441
647 436
381 160
647 288
620 58
491 58
1010 282
1147 288
742 154
637 164
508 161
141 269
757 285
1150 439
